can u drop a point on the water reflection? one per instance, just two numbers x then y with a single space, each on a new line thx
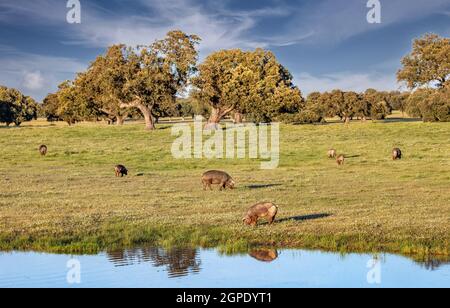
156 267
432 264
264 255
178 262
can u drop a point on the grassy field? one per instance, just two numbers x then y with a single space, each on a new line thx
70 200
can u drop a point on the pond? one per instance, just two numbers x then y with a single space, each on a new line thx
192 268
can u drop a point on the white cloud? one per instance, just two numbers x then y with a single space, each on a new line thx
219 28
33 80
346 81
36 75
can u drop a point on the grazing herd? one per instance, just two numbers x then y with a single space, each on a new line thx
266 210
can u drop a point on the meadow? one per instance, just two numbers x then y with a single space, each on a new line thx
70 200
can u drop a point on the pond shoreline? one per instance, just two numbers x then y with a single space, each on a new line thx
233 244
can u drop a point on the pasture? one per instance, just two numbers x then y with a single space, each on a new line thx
70 200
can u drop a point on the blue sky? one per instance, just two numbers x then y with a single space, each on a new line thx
326 44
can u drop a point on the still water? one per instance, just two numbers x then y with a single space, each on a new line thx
190 268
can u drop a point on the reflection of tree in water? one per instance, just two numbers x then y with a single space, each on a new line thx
179 261
432 264
264 255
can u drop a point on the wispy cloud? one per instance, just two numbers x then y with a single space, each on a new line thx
337 20
218 26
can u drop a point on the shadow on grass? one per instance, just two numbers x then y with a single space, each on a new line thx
305 217
400 120
262 186
353 156
27 126
166 126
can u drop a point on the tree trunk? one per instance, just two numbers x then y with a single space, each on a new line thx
216 115
145 110
347 120
214 119
120 120
149 121
238 118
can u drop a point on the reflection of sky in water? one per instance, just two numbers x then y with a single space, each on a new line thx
154 267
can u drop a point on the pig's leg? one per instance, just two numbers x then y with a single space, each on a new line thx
223 186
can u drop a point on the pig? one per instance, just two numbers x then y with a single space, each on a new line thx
340 160
396 154
43 150
261 210
214 177
332 153
120 170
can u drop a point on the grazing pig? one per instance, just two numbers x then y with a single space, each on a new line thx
340 160
332 153
396 154
261 210
121 170
43 150
214 177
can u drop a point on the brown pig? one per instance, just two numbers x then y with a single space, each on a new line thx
261 210
43 150
214 177
120 170
340 160
396 154
332 153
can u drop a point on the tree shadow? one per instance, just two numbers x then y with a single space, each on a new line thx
22 127
400 120
262 186
304 217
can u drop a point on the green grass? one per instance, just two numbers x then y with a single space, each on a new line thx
70 200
